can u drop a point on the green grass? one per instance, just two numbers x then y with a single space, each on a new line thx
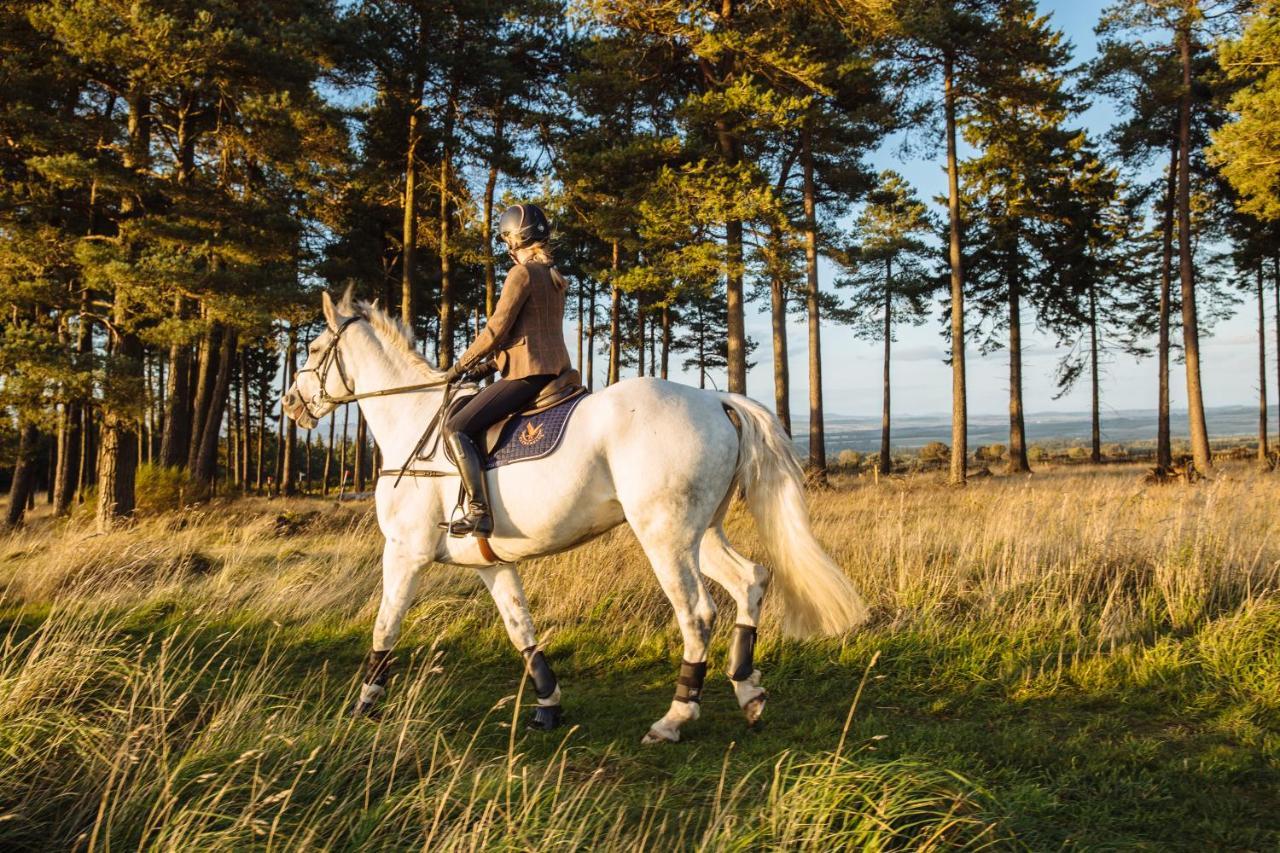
1107 678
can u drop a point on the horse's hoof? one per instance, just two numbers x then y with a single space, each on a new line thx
755 708
654 736
545 718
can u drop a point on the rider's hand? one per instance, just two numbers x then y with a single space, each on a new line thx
480 372
454 372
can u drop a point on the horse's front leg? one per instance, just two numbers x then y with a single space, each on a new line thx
401 570
503 582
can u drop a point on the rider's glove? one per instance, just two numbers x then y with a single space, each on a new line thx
480 372
454 372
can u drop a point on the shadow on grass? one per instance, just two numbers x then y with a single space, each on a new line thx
1069 748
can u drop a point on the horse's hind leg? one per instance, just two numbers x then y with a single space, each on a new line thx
672 551
745 581
504 585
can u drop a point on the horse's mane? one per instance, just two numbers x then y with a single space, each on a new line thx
391 331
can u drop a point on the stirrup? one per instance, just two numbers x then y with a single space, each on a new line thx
477 522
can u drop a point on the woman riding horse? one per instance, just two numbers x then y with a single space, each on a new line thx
526 337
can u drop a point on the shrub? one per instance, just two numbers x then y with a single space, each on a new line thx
991 453
1078 452
850 459
1036 453
159 489
1115 451
935 451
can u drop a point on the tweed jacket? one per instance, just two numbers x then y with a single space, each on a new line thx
526 331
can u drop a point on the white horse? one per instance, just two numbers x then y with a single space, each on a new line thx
663 457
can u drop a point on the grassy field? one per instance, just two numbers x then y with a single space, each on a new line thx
1071 660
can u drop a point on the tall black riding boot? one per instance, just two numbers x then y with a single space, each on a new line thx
477 521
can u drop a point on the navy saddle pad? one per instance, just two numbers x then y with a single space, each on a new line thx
527 437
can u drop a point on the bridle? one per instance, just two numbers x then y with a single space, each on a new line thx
332 358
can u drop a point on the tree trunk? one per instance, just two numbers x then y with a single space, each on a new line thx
615 311
288 486
1262 370
69 431
666 338
245 420
79 426
87 474
342 458
886 456
959 407
22 487
158 413
736 328
1190 328
205 376
490 275
146 427
1095 431
1018 463
328 456
358 461
262 437
640 340
817 436
118 443
306 464
206 466
702 349
1164 442
445 353
591 337
581 329
176 437
409 229
1275 317
778 319
446 268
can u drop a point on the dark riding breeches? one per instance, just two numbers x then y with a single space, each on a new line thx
495 402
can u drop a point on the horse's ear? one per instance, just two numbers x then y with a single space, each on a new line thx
374 305
346 306
330 312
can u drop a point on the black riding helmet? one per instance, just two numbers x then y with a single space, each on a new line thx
523 225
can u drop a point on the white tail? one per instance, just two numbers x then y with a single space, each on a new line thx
816 595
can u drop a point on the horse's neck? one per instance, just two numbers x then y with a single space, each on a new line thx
396 420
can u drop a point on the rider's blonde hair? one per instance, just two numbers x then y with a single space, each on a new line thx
541 253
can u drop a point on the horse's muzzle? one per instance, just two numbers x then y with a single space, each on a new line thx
295 407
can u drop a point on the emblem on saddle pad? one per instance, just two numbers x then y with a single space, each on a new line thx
527 437
531 434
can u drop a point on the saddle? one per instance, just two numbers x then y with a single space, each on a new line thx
534 432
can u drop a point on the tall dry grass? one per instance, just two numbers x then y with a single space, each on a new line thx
169 686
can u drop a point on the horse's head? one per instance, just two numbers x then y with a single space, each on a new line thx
324 381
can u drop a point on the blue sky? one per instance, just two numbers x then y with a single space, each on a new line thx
922 382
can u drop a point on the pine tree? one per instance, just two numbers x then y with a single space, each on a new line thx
1247 149
1090 277
1019 128
890 276
960 51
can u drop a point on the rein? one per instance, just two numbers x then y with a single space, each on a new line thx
332 358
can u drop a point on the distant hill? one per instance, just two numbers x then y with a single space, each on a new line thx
1124 426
